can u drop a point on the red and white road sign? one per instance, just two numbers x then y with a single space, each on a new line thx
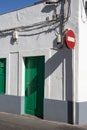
70 39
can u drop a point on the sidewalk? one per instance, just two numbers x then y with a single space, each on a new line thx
15 122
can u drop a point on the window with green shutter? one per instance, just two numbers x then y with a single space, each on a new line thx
2 75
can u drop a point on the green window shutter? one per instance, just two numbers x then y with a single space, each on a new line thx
2 75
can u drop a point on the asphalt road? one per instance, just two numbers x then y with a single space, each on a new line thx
15 122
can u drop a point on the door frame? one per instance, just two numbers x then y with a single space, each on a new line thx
29 53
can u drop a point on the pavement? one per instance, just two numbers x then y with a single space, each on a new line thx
27 122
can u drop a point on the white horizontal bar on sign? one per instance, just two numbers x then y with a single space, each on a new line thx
71 39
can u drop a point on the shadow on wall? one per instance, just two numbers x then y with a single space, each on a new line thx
63 56
52 64
49 8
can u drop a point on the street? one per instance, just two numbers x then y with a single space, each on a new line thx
15 122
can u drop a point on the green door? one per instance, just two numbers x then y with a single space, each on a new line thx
34 85
2 75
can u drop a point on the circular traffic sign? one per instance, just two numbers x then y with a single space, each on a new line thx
70 39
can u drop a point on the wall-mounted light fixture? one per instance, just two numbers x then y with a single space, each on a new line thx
59 39
15 35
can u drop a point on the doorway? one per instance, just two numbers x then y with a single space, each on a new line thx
2 75
34 85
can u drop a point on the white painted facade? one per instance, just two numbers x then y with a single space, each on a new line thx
82 95
65 69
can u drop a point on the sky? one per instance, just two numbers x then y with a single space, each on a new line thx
11 5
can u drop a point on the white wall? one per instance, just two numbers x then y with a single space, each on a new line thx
40 41
73 24
82 87
32 41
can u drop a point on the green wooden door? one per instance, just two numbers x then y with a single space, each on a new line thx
2 75
34 85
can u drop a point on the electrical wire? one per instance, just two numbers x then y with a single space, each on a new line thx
67 13
39 25
31 27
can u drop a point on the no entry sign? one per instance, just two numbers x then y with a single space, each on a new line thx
70 39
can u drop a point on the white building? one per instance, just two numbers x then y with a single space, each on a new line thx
38 76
